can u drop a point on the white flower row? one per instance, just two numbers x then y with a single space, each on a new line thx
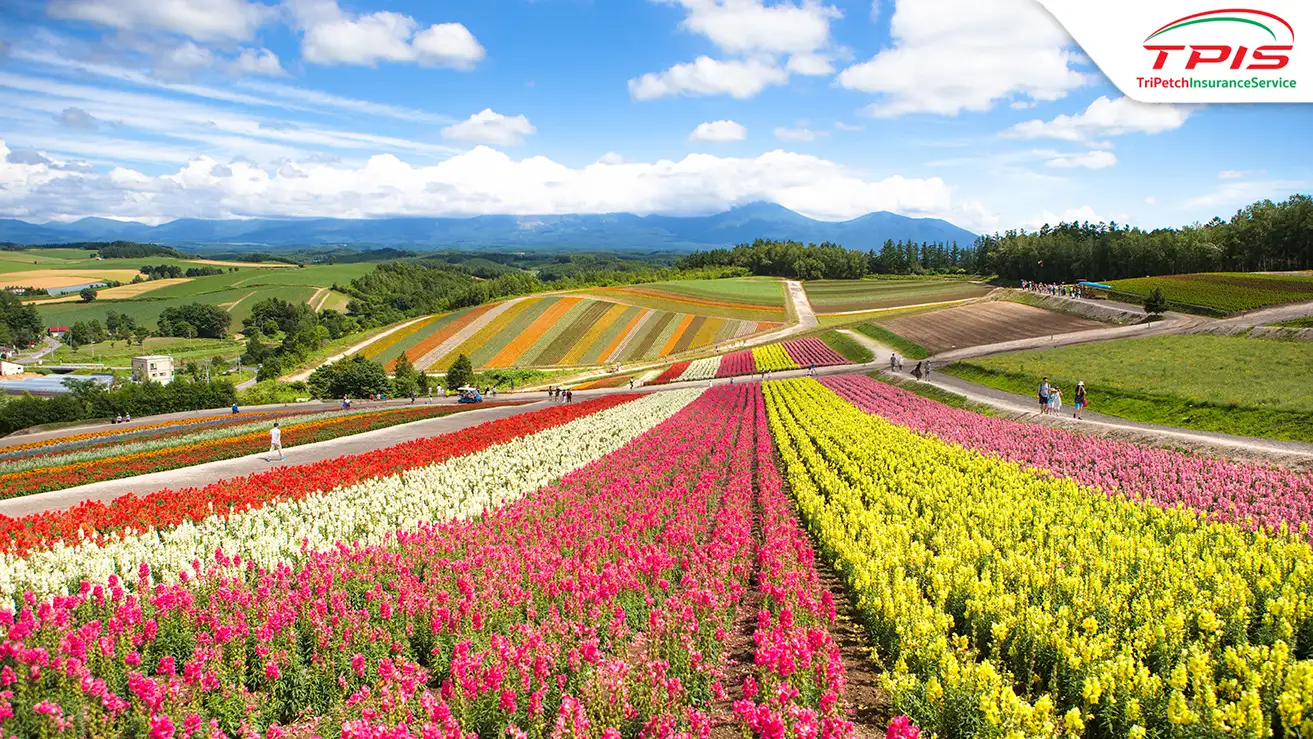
701 369
367 512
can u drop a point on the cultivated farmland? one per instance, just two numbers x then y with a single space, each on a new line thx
1220 293
850 296
557 330
982 323
744 298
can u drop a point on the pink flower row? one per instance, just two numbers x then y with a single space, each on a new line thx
598 605
811 350
1246 494
737 363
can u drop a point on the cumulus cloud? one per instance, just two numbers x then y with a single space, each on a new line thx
1072 215
330 35
27 156
74 117
256 61
763 44
482 180
1088 160
202 20
1106 117
489 127
963 55
719 131
707 76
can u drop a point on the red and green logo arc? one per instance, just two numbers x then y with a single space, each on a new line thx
1269 22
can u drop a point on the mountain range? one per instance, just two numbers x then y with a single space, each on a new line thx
611 231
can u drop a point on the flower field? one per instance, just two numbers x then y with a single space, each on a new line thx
1006 602
787 355
164 451
600 605
564 330
642 566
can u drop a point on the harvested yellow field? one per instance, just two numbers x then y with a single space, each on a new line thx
48 278
219 263
122 292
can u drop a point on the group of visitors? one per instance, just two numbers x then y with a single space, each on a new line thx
559 393
895 363
1053 288
1050 399
122 418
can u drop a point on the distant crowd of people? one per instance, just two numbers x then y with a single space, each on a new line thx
1053 288
564 395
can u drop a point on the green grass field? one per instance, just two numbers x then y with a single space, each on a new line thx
909 349
843 296
1218 293
239 302
120 353
847 346
1305 322
1236 385
752 290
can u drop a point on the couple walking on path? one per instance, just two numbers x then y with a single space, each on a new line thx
1050 399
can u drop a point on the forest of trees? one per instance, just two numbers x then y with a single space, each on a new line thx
19 324
281 334
1265 236
833 262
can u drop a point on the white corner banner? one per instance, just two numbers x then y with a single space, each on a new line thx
1188 51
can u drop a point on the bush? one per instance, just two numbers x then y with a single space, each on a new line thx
355 377
88 294
270 392
1155 303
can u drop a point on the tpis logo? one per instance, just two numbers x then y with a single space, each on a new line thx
1229 39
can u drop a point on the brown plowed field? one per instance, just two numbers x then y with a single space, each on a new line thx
983 323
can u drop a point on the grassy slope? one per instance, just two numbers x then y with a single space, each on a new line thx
847 346
1236 385
737 290
1306 322
909 349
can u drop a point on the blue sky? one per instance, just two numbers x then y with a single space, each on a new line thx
985 114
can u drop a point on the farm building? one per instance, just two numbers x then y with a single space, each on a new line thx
57 331
9 368
153 368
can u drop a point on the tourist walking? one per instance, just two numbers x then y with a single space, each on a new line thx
234 409
927 369
569 396
1080 401
916 371
276 443
893 362
1056 399
1043 393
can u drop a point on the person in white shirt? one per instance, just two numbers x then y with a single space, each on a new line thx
276 442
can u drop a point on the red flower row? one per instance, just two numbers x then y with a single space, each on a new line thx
671 374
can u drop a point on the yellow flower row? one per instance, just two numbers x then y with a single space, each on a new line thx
772 357
1005 603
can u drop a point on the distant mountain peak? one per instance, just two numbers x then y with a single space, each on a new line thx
610 231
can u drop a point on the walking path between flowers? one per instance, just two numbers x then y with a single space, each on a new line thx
205 474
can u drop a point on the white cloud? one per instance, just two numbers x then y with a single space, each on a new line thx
256 61
952 56
1088 160
707 76
482 180
1106 117
1151 200
333 36
801 133
764 45
875 10
719 131
184 59
1239 174
1239 193
488 127
849 127
74 117
748 26
203 20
